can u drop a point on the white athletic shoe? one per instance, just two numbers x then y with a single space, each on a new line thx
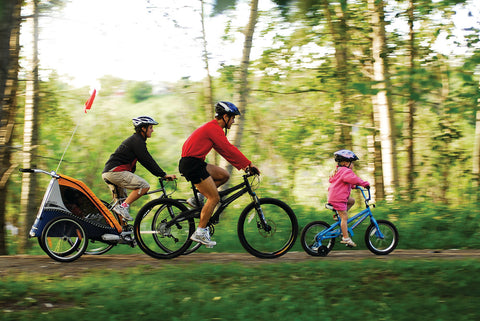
123 211
203 236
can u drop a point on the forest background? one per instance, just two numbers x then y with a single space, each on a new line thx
395 81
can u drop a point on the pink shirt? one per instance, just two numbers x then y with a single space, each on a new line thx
341 184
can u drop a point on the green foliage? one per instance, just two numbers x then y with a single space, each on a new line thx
313 290
139 91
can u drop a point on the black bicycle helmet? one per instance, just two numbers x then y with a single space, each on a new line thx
225 107
345 155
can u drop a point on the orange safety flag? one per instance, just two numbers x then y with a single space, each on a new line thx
90 100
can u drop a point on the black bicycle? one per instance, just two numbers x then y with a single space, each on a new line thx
267 227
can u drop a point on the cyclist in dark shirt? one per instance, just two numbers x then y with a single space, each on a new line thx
120 167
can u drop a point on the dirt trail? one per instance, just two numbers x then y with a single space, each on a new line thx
42 264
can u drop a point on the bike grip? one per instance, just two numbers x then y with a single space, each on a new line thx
26 170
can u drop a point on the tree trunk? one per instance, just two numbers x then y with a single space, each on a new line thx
339 31
383 111
410 112
375 165
30 134
208 92
208 87
10 11
241 96
476 155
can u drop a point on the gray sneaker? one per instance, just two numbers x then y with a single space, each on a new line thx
122 211
204 238
193 202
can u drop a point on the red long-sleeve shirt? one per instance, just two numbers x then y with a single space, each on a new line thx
210 135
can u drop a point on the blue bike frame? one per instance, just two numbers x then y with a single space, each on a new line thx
334 230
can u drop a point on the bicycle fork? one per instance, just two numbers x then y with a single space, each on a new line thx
378 232
262 224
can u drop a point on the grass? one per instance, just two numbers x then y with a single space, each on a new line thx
328 290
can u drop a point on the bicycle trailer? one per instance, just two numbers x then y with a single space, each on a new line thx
66 196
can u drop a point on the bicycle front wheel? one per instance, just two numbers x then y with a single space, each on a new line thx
270 240
309 242
152 234
64 239
381 245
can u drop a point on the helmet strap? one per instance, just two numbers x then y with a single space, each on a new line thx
226 123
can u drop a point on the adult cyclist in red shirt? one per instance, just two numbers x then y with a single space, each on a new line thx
208 177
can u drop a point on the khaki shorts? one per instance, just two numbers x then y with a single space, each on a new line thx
125 180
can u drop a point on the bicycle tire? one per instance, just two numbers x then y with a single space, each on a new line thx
153 238
64 239
101 247
268 244
98 249
378 245
307 238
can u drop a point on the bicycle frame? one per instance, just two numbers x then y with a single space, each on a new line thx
225 201
334 230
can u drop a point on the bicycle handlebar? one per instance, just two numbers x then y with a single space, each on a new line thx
36 170
251 171
363 192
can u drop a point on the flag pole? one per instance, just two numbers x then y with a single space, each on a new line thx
88 106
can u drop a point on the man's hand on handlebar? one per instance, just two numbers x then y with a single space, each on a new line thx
169 177
252 169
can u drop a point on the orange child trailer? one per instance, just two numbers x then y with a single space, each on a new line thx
70 215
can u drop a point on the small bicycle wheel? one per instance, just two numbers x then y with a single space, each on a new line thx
274 239
308 239
64 239
152 234
378 245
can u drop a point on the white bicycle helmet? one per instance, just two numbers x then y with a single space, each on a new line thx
143 120
345 155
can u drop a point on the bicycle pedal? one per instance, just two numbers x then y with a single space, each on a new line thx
209 246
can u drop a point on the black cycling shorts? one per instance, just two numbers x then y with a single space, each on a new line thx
193 169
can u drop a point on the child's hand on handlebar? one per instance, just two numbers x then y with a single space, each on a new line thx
169 177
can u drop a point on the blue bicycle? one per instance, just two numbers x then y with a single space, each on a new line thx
381 236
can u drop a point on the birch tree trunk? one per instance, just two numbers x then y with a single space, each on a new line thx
30 133
383 112
10 11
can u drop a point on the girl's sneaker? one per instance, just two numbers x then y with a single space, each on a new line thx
348 242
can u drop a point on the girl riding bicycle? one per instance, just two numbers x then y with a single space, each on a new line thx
341 182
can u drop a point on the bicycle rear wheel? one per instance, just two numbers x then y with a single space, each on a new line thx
273 240
308 239
152 235
64 239
385 245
